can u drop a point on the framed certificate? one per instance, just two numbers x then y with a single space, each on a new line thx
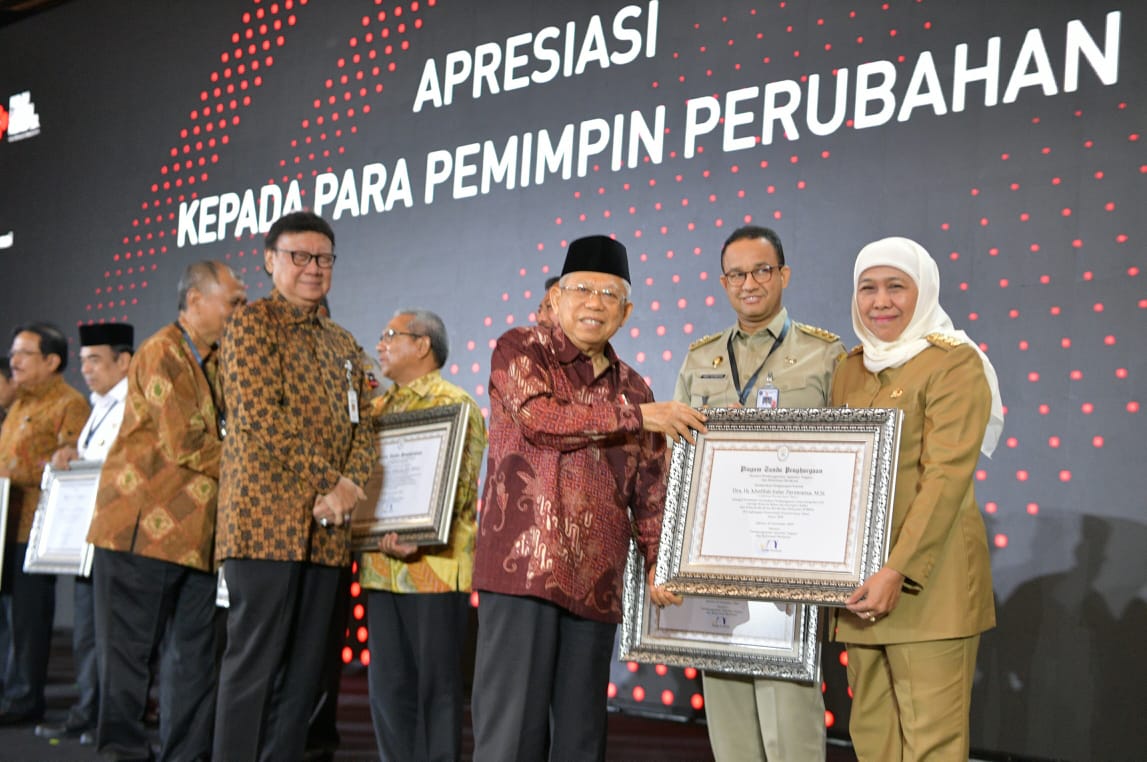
793 504
58 543
412 488
5 484
733 635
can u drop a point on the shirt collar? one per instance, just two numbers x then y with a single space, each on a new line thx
422 386
117 393
774 328
567 352
289 313
42 390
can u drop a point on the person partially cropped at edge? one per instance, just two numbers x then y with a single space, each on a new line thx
576 467
912 629
298 450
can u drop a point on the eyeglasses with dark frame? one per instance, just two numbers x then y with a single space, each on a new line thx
388 335
762 274
325 260
582 293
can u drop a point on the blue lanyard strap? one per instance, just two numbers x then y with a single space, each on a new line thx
743 394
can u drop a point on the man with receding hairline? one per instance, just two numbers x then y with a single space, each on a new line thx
154 530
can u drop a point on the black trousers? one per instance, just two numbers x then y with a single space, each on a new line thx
541 673
31 602
139 602
84 713
415 674
277 628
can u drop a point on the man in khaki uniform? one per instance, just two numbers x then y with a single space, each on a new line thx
763 360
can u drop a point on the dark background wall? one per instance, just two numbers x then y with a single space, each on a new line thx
1032 204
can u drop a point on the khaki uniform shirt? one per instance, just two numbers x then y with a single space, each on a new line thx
161 476
448 568
285 376
938 540
41 421
801 366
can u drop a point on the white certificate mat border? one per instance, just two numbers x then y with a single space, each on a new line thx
795 657
47 552
682 568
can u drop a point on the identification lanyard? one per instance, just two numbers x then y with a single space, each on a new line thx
351 394
743 394
92 431
219 420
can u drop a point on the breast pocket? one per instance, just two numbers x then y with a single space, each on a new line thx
715 391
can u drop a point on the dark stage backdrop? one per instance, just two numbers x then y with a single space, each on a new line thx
458 147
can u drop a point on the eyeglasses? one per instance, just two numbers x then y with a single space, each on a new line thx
582 293
389 334
324 260
761 274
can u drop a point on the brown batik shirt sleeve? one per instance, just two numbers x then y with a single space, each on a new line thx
158 487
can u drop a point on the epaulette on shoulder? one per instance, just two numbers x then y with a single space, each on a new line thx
820 333
703 341
858 349
943 340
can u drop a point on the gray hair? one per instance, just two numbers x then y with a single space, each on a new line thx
428 324
198 275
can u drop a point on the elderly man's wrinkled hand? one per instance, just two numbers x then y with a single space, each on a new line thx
676 419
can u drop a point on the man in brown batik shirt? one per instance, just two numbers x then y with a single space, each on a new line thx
299 448
153 529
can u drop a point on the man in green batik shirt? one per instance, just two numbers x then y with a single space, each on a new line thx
417 596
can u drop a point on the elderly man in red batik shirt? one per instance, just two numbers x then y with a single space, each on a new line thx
577 455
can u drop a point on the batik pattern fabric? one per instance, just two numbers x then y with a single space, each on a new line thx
160 481
571 475
285 375
447 568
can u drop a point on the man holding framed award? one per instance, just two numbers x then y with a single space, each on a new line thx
765 359
417 607
47 415
576 468
105 353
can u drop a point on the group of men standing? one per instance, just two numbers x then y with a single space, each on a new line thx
246 440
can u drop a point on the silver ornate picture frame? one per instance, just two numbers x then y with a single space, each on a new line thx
58 543
5 485
730 635
793 504
413 485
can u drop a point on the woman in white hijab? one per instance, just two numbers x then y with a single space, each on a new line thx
912 629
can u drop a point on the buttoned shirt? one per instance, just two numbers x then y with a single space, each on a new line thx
159 482
104 423
43 419
449 568
286 375
570 477
938 540
800 367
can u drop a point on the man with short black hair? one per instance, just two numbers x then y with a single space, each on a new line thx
154 529
764 359
105 354
47 415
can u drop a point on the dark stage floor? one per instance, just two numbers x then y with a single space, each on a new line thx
631 739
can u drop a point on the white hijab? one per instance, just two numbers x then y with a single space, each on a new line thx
910 258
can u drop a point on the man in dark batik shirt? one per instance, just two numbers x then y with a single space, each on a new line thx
577 453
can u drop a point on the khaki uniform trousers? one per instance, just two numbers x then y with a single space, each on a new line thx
757 719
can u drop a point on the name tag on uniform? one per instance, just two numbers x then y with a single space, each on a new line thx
769 396
712 375
351 394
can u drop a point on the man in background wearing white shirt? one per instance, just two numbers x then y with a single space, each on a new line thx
105 353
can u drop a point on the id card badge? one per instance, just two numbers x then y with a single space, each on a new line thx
769 396
351 395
